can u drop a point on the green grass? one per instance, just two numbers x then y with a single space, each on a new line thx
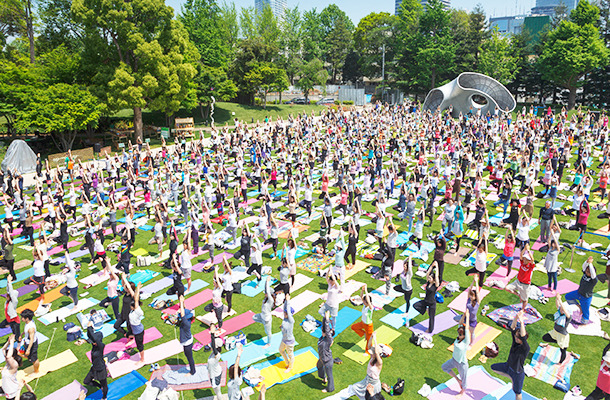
225 113
417 366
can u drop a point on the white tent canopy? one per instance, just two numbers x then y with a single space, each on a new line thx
19 157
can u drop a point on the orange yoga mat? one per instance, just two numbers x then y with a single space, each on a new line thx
49 296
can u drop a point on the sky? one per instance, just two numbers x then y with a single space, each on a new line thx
357 9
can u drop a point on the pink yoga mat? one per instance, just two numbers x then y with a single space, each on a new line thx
563 286
442 322
217 260
95 279
500 275
538 244
192 302
480 384
59 248
68 392
151 355
230 326
459 303
150 334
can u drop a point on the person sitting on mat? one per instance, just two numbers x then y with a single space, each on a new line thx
235 378
459 360
98 374
186 318
30 339
519 350
429 301
264 317
326 360
364 327
288 340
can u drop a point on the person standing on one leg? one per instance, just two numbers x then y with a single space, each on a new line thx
364 327
326 360
459 360
560 334
11 318
214 367
429 301
584 294
30 339
287 345
519 350
186 318
405 286
98 375
264 317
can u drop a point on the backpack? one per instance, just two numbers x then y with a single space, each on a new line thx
398 387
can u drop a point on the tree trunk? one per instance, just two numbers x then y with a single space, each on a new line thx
572 98
138 125
30 30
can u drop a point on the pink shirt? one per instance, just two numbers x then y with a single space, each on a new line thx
112 287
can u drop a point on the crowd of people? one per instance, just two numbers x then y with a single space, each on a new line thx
393 166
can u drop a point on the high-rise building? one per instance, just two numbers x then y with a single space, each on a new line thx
424 3
547 7
277 6
511 25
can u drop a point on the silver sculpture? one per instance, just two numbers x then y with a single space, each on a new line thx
472 93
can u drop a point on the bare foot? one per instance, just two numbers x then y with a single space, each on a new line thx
288 369
267 346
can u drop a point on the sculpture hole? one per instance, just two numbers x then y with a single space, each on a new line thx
478 100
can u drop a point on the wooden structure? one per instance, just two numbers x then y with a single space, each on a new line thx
185 128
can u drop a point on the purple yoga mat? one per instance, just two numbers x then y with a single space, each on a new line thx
23 290
442 322
217 260
5 331
157 285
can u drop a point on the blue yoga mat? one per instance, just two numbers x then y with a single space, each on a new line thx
146 228
497 219
196 285
396 319
140 277
254 351
121 387
277 360
250 289
20 276
253 193
345 318
300 253
403 238
22 239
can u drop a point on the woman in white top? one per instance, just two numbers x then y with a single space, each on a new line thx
136 315
227 283
480 261
332 300
30 339
158 237
186 265
291 258
523 231
10 383
405 286
71 288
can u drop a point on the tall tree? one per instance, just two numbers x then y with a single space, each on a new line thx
478 33
312 35
351 69
229 24
337 30
374 33
408 27
58 27
138 55
250 54
312 74
17 17
290 43
595 88
573 49
264 78
498 58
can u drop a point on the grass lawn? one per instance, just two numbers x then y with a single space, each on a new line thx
414 364
223 113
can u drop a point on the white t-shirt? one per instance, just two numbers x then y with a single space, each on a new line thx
480 261
523 231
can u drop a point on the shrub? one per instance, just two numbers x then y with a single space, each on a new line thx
348 102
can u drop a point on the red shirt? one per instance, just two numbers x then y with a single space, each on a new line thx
525 273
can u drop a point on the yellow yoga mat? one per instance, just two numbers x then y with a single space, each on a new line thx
139 252
51 364
360 265
385 335
276 373
483 334
49 296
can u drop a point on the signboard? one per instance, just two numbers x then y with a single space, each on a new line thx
165 133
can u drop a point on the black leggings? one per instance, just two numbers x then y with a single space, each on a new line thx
273 242
407 294
10 266
115 305
228 295
547 338
15 327
119 328
598 394
102 383
245 255
351 252
475 271
188 352
255 267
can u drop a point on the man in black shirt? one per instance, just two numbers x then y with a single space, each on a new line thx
519 350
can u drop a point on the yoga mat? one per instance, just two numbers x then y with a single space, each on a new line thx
152 355
349 289
298 303
452 257
593 328
69 392
23 290
530 316
315 262
249 289
300 281
546 366
359 266
459 303
255 351
396 318
506 393
480 383
49 296
59 248
600 299
442 322
158 374
95 279
192 302
196 285
22 275
274 371
66 311
121 387
483 334
210 318
345 318
299 228
563 286
41 339
124 344
217 260
384 334
51 364
139 252
380 299
161 284
499 275
229 326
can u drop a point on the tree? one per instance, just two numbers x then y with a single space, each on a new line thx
498 58
16 17
61 110
351 69
312 74
408 27
202 21
229 25
478 33
265 78
337 31
213 82
18 80
250 53
138 55
596 86
291 46
58 26
373 32
573 49
312 35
